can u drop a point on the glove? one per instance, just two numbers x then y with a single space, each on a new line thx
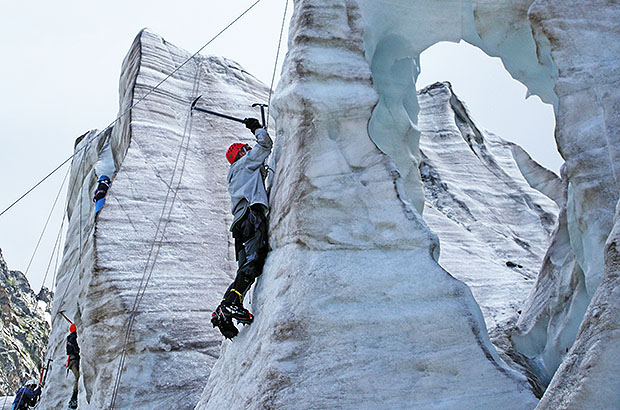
252 124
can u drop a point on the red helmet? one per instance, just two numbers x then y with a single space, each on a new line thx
72 328
233 150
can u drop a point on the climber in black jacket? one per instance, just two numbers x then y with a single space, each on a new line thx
73 362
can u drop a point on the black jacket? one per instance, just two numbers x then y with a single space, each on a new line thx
73 349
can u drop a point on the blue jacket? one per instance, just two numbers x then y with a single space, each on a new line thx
26 397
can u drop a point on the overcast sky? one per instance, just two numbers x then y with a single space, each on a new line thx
59 79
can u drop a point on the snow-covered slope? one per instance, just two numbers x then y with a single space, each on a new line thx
172 345
352 309
493 227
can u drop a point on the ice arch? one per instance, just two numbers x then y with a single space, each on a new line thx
497 102
397 33
565 53
309 345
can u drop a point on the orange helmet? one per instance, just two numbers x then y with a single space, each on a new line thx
233 150
72 328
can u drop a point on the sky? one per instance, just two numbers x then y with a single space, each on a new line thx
59 79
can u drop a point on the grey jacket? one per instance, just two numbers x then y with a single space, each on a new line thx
245 180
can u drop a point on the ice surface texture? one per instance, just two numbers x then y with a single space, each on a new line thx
352 310
494 228
565 52
172 346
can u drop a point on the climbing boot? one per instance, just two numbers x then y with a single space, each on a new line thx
73 403
239 313
222 319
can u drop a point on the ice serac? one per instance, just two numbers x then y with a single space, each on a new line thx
595 355
565 52
352 310
493 226
162 155
584 42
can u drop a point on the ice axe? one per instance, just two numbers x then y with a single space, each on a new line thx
63 315
44 372
228 117
262 112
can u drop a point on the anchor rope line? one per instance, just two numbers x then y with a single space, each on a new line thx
49 216
275 65
80 173
56 262
157 243
133 105
113 122
55 250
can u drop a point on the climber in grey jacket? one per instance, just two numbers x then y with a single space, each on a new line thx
249 206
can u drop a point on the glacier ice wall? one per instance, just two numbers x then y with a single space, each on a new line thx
493 226
595 355
160 152
567 54
352 310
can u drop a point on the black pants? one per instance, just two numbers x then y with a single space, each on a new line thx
251 247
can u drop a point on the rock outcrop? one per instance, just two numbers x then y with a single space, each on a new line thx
24 329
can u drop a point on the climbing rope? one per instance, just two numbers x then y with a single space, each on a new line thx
275 65
55 250
62 184
156 244
131 107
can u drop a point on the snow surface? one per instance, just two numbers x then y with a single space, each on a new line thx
172 346
352 310
493 227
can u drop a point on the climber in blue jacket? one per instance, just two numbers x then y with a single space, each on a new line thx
26 396
249 206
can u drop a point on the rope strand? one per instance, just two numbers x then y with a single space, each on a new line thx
275 66
131 108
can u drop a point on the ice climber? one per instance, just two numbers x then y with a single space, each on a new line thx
249 205
73 362
26 396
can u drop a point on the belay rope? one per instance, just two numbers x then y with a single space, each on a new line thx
275 65
146 275
156 244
